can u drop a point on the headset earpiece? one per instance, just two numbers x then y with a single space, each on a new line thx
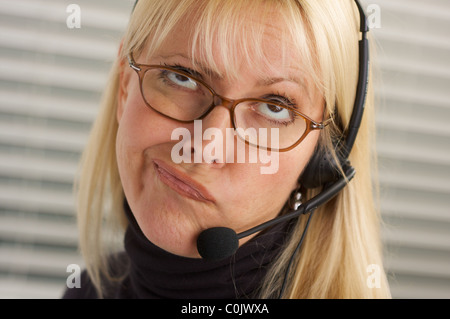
323 168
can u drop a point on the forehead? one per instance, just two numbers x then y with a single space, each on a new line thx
229 42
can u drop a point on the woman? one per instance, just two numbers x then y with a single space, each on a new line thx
235 67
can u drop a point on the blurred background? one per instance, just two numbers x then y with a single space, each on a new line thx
51 79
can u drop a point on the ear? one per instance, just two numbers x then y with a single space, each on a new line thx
124 78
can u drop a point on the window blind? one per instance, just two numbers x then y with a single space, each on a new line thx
51 79
414 144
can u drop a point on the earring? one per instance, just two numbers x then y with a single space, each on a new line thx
295 200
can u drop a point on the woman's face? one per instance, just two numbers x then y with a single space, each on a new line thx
173 203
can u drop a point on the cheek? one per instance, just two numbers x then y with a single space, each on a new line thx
291 165
140 129
260 197
140 126
294 162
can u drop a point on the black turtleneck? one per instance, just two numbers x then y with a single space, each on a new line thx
151 272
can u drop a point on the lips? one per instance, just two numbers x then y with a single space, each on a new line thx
182 183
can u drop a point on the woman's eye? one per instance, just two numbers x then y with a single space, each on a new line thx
274 112
182 80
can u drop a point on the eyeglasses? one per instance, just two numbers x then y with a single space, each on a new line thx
180 96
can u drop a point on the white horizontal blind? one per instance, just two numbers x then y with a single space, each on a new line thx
51 78
414 144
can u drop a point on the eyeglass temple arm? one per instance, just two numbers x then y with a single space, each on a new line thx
132 63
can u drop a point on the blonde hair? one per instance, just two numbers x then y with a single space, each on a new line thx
343 238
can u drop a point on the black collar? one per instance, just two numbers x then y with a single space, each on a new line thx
156 273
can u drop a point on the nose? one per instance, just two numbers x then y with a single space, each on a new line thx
217 136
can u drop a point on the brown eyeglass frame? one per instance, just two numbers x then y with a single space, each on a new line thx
217 99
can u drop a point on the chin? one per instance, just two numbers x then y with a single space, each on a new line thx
167 230
181 244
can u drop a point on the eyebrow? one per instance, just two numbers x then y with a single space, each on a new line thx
262 82
203 68
275 80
